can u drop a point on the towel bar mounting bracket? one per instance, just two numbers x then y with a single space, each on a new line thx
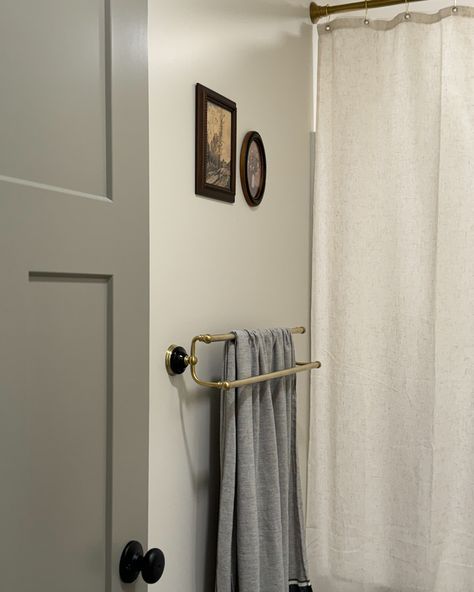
177 360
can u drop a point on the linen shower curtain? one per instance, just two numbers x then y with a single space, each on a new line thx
391 461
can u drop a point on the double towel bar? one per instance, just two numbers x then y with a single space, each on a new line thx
177 360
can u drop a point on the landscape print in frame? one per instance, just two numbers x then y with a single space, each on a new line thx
216 122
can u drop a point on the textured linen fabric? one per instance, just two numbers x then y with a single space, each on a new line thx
391 461
260 538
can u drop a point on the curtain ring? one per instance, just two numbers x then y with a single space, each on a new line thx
366 20
328 26
407 8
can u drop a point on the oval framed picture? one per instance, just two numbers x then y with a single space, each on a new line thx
253 168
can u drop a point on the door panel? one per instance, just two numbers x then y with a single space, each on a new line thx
58 414
73 292
54 93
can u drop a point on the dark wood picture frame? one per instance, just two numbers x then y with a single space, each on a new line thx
215 177
253 197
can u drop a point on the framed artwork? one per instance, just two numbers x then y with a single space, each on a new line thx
253 168
216 123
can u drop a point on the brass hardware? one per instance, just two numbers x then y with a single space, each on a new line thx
317 11
177 360
168 353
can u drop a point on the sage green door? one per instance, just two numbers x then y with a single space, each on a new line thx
73 292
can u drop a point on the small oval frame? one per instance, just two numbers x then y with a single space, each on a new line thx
250 137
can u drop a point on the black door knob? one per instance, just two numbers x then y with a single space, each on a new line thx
132 562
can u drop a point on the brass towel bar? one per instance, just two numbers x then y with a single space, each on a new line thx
177 360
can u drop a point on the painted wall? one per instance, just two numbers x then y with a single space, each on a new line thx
217 266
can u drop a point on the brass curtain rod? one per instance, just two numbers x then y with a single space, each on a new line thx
177 360
317 11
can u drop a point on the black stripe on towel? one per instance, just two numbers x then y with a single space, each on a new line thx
300 587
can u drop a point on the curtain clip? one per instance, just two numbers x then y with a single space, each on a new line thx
366 20
328 25
407 8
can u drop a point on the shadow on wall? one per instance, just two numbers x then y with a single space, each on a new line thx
205 483
264 9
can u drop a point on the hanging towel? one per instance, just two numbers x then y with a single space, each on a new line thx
260 536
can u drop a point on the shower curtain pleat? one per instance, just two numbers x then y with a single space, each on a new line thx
391 461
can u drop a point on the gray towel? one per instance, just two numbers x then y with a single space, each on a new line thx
260 538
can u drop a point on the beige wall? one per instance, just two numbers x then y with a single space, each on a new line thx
216 266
